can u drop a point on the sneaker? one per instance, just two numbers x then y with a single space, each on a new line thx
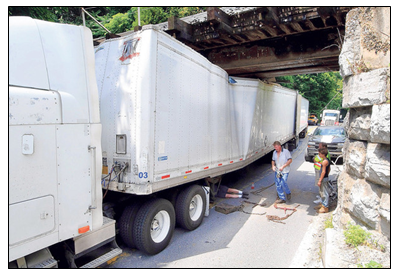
245 193
323 210
245 196
288 196
280 201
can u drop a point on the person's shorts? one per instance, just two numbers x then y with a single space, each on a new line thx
222 191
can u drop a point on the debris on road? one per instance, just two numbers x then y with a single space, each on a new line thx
226 208
278 219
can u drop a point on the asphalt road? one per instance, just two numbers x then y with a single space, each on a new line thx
241 240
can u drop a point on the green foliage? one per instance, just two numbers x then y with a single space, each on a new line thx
115 19
328 223
70 15
187 11
319 89
151 15
371 264
120 22
355 235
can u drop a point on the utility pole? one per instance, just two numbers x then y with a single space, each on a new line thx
139 20
330 101
83 19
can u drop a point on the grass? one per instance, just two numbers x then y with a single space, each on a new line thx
328 223
355 235
371 264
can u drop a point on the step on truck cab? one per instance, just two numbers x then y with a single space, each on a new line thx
55 158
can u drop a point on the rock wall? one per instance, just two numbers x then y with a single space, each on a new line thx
364 184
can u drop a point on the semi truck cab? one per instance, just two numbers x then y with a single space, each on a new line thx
330 117
55 145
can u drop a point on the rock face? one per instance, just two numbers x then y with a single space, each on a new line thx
364 185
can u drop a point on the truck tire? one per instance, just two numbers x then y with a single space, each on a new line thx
307 157
286 146
303 133
126 224
154 226
190 207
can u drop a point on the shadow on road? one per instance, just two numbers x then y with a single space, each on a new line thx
218 231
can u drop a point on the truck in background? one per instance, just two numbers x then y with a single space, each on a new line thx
139 133
330 117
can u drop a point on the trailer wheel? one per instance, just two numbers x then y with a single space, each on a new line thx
190 207
154 226
126 224
307 157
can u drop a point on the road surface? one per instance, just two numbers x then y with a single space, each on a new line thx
240 239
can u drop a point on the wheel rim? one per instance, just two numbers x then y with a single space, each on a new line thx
160 226
195 207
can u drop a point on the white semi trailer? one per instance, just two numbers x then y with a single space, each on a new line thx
172 120
153 121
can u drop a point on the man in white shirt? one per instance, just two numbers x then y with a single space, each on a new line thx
281 160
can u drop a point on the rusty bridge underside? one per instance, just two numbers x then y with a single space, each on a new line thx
266 42
263 42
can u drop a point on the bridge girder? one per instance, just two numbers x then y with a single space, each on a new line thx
267 42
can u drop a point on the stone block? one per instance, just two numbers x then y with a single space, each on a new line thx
367 40
385 214
375 37
380 124
365 203
345 183
377 166
360 123
356 158
351 48
365 89
384 208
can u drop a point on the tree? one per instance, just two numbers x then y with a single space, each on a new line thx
115 19
69 15
319 89
120 22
